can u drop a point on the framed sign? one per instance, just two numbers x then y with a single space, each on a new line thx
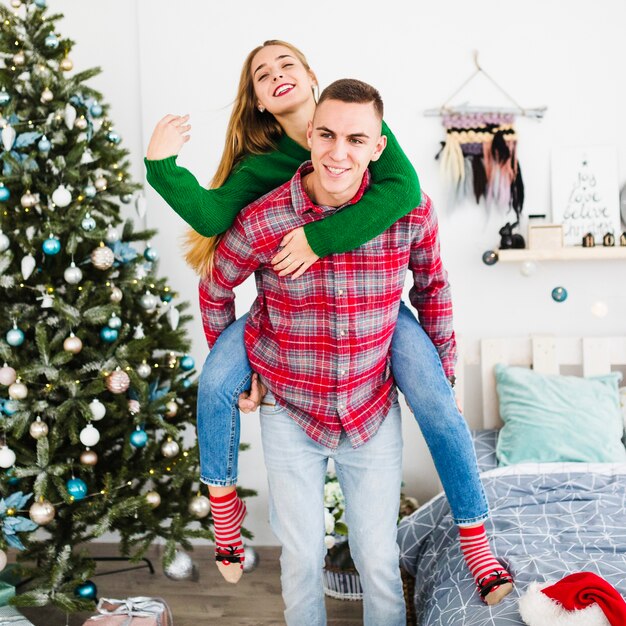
585 192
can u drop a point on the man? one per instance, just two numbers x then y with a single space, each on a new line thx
321 345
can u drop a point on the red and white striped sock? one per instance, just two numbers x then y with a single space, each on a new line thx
483 565
228 513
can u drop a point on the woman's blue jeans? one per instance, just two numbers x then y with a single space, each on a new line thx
418 373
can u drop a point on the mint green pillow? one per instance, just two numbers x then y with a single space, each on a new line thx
558 418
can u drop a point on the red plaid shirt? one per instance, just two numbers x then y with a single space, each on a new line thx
322 341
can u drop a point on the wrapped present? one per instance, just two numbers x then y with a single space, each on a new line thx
10 616
138 611
7 591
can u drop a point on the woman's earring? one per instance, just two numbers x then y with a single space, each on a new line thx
261 108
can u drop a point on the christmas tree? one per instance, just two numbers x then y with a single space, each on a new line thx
96 390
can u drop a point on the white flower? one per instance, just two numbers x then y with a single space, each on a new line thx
329 540
329 522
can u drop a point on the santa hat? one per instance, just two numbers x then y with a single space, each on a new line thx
582 599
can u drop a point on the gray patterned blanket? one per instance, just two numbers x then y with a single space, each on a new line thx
547 521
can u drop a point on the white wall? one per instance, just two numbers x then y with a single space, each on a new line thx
160 57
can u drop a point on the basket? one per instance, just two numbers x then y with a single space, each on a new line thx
342 584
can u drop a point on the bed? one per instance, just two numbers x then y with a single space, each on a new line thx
548 519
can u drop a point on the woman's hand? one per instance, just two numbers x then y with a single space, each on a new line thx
168 137
295 254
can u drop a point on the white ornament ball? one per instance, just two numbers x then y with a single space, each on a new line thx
61 196
118 381
89 436
170 449
200 506
153 499
116 294
112 235
7 375
18 391
3 560
98 410
73 344
7 457
528 268
100 183
181 567
171 408
73 275
42 512
5 242
148 301
599 309
251 557
102 257
38 429
144 370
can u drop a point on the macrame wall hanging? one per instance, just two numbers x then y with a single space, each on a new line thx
479 154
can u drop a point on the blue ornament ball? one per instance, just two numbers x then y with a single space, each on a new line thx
113 137
11 407
95 110
90 191
108 334
12 479
15 337
138 438
187 383
51 246
77 488
44 145
490 257
51 41
187 363
559 294
166 297
86 590
150 254
41 3
5 194
5 97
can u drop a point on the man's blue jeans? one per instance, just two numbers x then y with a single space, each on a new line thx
370 478
418 373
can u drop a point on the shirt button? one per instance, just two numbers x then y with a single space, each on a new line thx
342 372
342 332
340 292
340 406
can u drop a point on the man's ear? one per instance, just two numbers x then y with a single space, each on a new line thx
380 146
309 132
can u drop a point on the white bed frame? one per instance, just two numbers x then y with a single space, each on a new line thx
545 354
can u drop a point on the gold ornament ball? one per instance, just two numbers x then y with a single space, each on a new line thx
38 429
73 344
18 390
46 96
116 294
19 58
171 408
100 183
118 381
81 123
88 457
66 64
102 258
28 200
42 513
200 506
170 449
153 499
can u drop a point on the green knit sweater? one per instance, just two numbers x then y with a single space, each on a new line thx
395 191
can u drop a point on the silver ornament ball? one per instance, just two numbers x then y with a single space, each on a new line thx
144 370
181 567
42 512
148 301
73 275
18 390
200 506
38 429
170 449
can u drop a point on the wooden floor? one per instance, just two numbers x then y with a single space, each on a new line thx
254 601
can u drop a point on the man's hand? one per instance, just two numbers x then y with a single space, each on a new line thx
295 256
250 400
168 137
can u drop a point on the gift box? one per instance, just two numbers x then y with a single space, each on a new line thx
10 616
7 591
138 611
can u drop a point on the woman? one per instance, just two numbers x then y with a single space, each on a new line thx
265 143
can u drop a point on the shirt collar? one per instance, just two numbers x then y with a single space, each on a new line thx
301 201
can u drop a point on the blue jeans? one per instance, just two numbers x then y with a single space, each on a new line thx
370 478
418 373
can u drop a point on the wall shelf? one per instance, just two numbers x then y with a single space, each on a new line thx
569 253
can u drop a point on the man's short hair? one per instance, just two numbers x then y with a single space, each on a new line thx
353 90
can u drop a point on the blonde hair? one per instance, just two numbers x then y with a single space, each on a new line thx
249 132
